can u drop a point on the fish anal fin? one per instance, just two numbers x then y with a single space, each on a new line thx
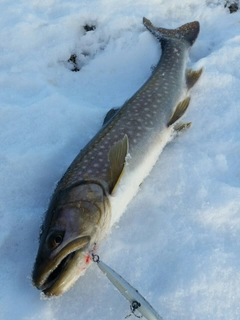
117 157
179 111
181 127
192 77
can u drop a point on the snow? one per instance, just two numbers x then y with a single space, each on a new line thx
178 241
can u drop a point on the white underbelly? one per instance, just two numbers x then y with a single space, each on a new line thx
133 176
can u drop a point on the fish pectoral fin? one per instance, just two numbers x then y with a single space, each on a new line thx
179 111
117 157
192 77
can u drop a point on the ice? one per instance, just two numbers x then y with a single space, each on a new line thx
178 241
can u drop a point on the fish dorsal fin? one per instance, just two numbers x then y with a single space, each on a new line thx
179 111
192 77
110 114
117 157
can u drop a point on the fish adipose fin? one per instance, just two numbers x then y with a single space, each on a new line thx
179 111
188 31
192 77
117 157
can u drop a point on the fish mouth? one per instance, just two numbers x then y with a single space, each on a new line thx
53 276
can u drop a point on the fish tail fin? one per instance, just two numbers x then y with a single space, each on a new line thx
187 32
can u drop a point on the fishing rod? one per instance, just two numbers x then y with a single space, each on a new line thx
137 301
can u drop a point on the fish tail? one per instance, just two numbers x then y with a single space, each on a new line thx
187 32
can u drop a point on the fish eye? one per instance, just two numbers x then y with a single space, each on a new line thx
54 239
58 239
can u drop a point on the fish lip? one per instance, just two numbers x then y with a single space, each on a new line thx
56 273
42 279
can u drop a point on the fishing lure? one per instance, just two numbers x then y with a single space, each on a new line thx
137 301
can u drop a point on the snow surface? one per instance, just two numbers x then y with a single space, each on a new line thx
178 242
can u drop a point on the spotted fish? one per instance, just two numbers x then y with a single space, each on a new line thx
106 174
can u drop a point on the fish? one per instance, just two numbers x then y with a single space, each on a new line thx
106 174
138 302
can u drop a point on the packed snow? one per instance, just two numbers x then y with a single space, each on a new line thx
178 241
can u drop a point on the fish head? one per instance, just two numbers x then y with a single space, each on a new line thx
76 219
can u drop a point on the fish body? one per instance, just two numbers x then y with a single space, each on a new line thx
106 174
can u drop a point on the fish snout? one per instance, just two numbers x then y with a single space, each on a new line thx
51 273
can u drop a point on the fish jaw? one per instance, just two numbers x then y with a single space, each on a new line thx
75 221
75 268
56 276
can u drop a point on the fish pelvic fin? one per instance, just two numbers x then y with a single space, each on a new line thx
192 77
187 32
117 157
179 111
